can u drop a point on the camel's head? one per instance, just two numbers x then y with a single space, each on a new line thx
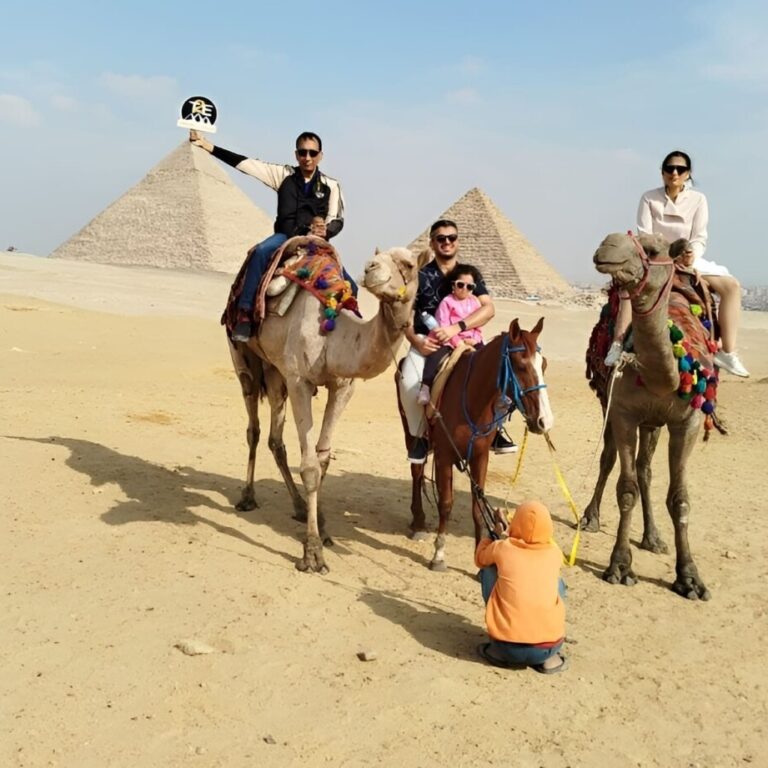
392 275
619 257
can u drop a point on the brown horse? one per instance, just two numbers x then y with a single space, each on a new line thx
482 390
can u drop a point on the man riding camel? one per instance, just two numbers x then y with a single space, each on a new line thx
303 193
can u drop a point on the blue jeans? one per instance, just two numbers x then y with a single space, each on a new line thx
257 265
258 262
516 653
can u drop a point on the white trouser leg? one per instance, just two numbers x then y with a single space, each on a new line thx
410 381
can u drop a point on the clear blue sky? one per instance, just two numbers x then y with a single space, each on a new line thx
560 111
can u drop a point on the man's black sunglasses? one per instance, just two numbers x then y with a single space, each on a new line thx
305 152
446 238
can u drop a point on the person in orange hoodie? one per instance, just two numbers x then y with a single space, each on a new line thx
523 591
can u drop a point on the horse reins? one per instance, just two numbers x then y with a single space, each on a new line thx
504 377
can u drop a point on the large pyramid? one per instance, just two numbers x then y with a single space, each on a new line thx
186 213
511 266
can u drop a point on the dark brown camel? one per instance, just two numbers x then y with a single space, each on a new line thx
643 266
467 420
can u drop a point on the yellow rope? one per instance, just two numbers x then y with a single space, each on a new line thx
571 559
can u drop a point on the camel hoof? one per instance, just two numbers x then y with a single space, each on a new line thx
590 524
313 561
438 565
418 535
328 541
691 589
654 544
614 576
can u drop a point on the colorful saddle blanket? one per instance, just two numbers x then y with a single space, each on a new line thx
692 332
319 272
317 268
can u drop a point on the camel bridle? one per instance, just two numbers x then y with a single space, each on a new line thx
647 264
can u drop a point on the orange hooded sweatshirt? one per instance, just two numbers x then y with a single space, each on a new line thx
525 605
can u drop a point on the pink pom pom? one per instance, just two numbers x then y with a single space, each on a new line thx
697 401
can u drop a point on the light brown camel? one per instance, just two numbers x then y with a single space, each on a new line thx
290 358
644 268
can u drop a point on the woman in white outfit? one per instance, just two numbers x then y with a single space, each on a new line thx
675 211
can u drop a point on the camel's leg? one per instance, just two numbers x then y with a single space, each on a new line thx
479 469
339 393
249 372
418 524
682 438
300 394
591 519
649 438
620 569
444 478
276 392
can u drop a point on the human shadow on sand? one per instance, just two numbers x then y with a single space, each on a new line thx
432 626
357 505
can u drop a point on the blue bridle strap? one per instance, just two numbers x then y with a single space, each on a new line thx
509 388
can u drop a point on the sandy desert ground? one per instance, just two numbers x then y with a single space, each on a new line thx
121 455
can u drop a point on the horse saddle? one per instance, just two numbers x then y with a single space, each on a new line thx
441 378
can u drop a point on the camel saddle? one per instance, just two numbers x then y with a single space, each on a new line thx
305 261
693 330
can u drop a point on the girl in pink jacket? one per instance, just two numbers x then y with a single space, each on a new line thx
457 305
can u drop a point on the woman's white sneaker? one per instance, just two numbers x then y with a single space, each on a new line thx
730 361
614 354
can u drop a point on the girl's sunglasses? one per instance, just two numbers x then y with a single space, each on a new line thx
681 169
461 284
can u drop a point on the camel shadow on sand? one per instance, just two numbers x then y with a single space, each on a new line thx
358 505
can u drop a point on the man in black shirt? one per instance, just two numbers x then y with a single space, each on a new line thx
444 241
303 193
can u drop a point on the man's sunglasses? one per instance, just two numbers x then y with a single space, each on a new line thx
305 152
461 284
446 238
681 169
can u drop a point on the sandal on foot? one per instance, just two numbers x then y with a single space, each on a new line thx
561 667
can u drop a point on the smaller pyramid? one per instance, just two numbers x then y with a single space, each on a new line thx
512 268
186 213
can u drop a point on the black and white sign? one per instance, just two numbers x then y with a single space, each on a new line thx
198 113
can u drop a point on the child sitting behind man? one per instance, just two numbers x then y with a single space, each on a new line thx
459 304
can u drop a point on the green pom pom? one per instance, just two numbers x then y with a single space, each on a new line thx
675 334
330 313
696 309
303 273
678 350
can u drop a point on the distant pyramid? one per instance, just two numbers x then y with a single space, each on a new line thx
511 266
186 213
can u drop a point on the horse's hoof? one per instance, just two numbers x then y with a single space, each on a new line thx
438 565
418 535
590 524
